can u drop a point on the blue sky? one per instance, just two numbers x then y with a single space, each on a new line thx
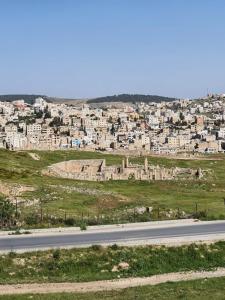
90 48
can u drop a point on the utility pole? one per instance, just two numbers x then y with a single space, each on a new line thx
2 214
16 208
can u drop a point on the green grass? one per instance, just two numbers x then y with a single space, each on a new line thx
207 289
96 263
208 193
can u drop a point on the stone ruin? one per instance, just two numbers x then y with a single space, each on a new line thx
96 170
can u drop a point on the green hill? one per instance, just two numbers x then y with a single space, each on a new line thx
131 98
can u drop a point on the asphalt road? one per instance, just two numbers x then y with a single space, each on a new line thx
121 236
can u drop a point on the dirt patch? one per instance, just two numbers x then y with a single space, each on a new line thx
14 190
106 285
83 190
109 198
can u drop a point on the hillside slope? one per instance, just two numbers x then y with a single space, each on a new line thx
131 98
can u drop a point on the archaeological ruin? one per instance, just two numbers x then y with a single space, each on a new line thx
96 170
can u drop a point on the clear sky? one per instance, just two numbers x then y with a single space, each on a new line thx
90 48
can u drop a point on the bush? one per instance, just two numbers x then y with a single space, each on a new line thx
70 222
83 226
32 219
56 254
92 222
114 247
17 232
221 217
96 247
200 214
12 254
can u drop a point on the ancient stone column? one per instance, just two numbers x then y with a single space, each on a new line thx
127 162
146 164
123 165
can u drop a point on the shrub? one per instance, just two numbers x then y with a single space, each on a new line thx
70 222
221 217
56 254
32 219
12 254
200 215
96 247
17 232
83 226
114 247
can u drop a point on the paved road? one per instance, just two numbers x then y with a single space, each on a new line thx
119 236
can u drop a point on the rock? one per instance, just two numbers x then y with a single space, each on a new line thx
34 156
19 261
137 210
169 213
123 266
140 210
115 269
149 209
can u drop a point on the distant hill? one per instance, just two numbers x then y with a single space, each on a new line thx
131 98
27 98
116 98
30 98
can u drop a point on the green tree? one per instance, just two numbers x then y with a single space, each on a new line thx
7 210
56 122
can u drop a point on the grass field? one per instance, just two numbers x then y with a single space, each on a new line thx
89 199
99 263
206 289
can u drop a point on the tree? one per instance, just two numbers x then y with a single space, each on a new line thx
110 120
112 130
47 115
39 114
196 146
182 116
7 210
56 122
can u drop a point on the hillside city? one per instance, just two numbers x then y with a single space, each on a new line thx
195 126
112 150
